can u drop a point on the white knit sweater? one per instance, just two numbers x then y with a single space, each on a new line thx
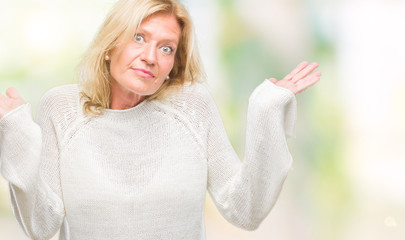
142 173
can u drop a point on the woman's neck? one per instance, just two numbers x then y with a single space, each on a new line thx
124 99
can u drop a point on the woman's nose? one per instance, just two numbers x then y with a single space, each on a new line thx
149 54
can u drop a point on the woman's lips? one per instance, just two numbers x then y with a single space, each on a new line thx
143 73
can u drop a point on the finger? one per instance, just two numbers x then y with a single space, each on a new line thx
300 66
12 93
302 74
308 78
309 81
273 80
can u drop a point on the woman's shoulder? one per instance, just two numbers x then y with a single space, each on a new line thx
196 94
193 102
190 98
60 100
62 91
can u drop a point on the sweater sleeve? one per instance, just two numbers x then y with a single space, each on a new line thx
245 192
29 162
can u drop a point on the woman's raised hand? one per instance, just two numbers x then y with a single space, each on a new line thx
12 101
300 78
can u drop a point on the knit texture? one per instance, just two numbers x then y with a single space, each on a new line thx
143 173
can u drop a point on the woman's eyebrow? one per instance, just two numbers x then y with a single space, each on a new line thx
170 38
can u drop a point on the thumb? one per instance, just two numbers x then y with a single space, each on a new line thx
273 80
12 93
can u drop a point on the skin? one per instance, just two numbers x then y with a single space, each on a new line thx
9 102
300 78
139 68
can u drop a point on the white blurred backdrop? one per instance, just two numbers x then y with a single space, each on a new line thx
348 178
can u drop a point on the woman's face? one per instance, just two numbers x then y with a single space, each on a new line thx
139 68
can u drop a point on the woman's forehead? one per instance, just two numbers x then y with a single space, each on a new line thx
164 25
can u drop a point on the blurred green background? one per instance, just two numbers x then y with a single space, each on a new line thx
348 177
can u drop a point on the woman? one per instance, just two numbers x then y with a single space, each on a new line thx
130 151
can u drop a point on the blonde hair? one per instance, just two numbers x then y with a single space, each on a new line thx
123 21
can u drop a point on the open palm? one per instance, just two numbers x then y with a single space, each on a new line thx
300 78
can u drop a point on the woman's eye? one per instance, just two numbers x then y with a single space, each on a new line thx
138 38
166 49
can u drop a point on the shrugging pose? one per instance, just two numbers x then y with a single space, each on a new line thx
130 151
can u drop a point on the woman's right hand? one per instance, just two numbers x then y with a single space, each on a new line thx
10 102
300 78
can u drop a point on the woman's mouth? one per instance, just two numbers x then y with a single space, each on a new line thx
143 73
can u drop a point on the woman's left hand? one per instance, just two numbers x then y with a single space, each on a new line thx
300 78
12 101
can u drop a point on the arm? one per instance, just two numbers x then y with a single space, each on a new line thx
29 161
245 192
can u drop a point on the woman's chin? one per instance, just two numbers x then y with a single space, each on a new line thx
144 87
